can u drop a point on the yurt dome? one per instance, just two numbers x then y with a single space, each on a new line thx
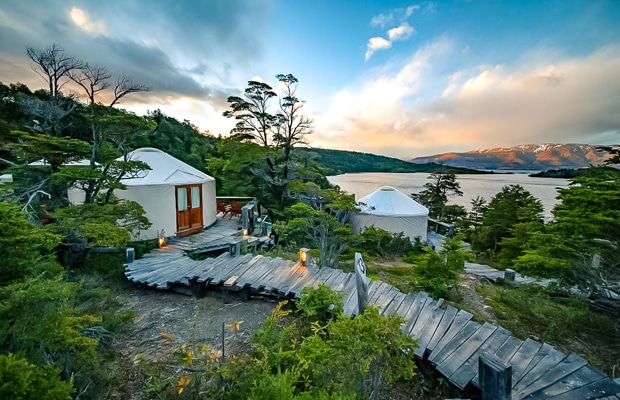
388 208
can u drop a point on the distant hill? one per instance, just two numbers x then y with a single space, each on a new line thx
524 157
341 162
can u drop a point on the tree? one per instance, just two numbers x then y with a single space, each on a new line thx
293 126
255 123
436 272
436 192
581 245
24 247
328 235
512 205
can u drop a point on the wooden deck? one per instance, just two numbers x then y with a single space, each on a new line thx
447 337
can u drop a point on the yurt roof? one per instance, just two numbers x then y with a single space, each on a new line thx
165 169
390 202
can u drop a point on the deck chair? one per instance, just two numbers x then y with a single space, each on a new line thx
235 209
222 208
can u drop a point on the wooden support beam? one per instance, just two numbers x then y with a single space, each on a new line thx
495 378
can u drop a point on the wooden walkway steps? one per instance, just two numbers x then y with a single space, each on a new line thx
448 338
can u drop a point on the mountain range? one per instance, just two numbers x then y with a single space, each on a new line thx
539 157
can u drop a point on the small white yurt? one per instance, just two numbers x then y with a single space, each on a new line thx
393 211
179 200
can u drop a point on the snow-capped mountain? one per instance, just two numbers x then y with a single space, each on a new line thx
539 157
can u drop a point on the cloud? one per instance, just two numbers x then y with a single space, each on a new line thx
205 57
82 19
536 101
401 32
376 43
395 16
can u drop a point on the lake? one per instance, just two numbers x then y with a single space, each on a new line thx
484 185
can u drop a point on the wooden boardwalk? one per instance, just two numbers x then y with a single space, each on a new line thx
447 337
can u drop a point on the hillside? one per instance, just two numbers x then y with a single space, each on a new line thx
525 157
341 162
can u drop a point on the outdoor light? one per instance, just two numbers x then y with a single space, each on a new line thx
161 241
245 232
304 256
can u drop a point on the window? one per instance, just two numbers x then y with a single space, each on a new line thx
195 196
181 199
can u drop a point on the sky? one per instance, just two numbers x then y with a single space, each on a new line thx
396 78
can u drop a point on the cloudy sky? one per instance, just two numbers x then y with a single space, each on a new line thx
398 78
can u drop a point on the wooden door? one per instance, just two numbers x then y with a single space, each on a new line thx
195 197
189 209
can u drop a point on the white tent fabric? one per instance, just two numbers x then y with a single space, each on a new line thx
155 191
392 210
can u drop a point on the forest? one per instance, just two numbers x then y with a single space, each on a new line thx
61 301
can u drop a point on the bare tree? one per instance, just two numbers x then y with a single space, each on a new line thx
92 78
56 67
124 86
53 65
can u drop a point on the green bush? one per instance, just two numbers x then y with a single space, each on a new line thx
20 379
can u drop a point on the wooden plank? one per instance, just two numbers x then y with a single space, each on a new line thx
460 320
287 270
461 336
244 268
522 358
425 314
414 311
442 328
569 365
394 303
463 352
509 348
288 278
223 271
350 305
261 274
577 385
334 277
426 333
267 279
305 274
231 281
386 298
380 290
242 281
349 284
469 369
550 360
258 269
338 283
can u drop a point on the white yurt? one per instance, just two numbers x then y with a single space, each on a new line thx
392 210
179 200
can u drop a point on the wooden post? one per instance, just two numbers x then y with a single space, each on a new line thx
361 283
130 255
510 275
234 249
495 377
